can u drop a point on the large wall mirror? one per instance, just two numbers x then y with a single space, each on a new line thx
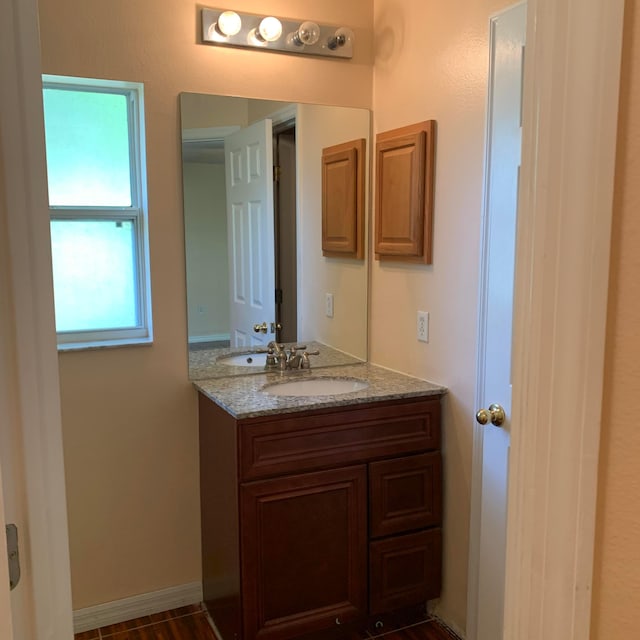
252 178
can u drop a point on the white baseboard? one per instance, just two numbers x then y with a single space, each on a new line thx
143 604
214 337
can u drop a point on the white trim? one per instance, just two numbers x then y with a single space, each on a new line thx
143 604
6 625
104 344
136 213
97 83
572 77
287 113
214 337
204 134
21 122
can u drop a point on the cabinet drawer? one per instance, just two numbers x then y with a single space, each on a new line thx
404 570
286 445
405 494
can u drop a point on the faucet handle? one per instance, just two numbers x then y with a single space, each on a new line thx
306 363
272 359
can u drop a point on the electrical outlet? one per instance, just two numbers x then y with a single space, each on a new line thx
328 304
423 326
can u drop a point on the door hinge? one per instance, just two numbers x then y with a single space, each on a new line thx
12 554
277 172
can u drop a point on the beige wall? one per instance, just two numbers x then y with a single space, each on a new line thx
431 62
129 414
616 610
200 111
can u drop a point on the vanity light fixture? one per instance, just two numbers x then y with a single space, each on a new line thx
254 31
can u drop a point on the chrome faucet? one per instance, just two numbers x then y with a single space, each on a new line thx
277 357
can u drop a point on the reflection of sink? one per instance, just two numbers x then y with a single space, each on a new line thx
244 360
315 387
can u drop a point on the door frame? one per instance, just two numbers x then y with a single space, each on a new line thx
45 543
560 304
6 628
548 570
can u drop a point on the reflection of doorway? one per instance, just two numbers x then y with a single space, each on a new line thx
286 265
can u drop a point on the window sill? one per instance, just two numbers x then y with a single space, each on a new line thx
104 344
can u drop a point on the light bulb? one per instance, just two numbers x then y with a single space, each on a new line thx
340 38
229 23
308 33
270 29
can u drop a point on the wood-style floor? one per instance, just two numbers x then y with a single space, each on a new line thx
192 623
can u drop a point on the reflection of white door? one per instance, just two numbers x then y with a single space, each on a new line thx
249 180
496 308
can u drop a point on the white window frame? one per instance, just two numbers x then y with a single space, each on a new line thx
137 213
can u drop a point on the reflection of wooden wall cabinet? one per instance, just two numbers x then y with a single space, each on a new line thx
405 161
320 518
343 182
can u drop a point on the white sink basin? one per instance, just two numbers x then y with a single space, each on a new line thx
244 360
315 387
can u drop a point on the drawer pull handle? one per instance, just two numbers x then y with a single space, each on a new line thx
338 621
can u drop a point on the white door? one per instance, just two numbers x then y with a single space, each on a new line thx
249 182
496 308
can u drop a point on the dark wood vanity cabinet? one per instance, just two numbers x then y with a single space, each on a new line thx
319 519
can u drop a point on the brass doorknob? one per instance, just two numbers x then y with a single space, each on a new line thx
494 414
260 328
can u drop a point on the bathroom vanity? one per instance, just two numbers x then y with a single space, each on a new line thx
322 512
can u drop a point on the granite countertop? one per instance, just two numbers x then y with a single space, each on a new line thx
243 397
204 363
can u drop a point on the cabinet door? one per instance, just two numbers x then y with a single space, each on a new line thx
405 160
304 552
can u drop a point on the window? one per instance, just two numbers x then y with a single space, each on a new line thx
94 133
